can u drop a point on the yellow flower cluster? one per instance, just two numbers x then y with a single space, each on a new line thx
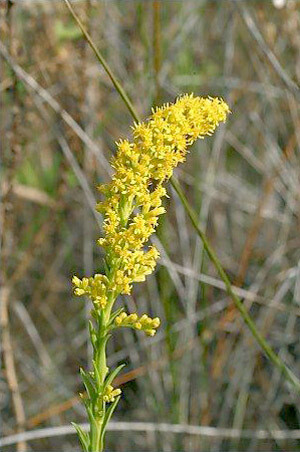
144 323
134 196
94 287
110 393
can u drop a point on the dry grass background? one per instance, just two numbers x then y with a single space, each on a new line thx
60 117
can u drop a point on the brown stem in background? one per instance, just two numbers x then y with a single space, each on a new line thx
10 368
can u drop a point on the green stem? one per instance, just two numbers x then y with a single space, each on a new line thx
156 47
103 62
275 359
100 363
95 438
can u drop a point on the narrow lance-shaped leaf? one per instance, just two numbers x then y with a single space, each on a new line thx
83 436
88 383
94 427
93 335
112 375
114 315
107 417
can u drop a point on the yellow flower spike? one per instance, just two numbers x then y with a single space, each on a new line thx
158 146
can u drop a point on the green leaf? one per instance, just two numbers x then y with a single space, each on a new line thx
94 426
112 376
107 417
93 335
106 266
91 416
88 383
97 373
83 436
100 321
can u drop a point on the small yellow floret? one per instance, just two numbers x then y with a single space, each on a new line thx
110 393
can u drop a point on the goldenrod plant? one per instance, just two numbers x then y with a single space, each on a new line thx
131 208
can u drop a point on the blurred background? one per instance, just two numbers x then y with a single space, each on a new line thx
60 117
